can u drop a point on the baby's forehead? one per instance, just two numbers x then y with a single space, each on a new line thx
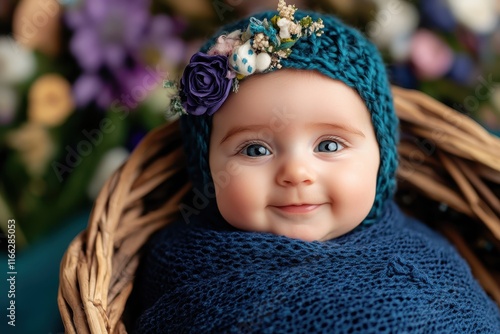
300 91
292 99
281 80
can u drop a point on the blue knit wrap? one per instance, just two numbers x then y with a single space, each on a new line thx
397 276
341 53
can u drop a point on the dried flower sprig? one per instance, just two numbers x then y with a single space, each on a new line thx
257 49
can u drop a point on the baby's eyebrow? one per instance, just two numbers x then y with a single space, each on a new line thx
257 127
239 129
342 127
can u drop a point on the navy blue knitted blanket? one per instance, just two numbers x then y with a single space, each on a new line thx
396 276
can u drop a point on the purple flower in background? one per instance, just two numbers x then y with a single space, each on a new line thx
122 87
106 31
402 75
463 69
205 84
437 13
115 42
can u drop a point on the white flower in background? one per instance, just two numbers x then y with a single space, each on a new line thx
393 26
481 16
400 48
8 105
109 163
17 63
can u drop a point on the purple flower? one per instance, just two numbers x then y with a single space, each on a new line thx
105 32
115 42
205 84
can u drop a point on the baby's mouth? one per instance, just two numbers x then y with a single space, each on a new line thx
298 208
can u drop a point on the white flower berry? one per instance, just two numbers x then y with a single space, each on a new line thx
316 28
295 29
284 25
286 11
261 42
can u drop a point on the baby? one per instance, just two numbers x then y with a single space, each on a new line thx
290 134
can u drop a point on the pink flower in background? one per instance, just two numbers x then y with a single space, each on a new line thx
115 42
431 57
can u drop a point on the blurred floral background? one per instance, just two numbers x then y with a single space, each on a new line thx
81 84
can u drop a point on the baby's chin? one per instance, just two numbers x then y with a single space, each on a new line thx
308 235
305 233
294 229
315 231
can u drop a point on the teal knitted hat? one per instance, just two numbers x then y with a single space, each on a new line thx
339 52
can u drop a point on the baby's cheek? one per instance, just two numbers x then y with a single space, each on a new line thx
237 199
355 190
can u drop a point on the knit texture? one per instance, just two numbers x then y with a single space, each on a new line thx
396 276
341 53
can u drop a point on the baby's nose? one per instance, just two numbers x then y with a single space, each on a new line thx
294 172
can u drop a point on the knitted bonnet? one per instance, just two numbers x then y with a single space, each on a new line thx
341 53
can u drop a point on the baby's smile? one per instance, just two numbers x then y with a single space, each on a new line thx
298 208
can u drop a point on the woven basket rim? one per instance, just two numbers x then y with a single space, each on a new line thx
97 269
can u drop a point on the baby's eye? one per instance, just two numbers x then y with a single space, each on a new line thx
255 150
329 146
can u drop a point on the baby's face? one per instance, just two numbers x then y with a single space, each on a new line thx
294 153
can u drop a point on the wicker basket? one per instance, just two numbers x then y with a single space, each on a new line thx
447 161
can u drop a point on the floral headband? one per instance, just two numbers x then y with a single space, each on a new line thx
208 78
